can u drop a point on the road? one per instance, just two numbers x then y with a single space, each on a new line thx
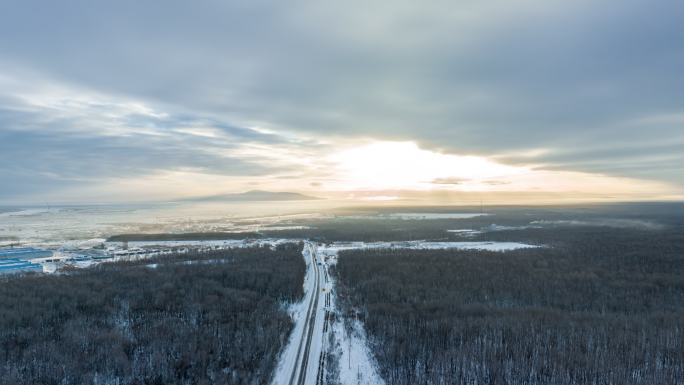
301 363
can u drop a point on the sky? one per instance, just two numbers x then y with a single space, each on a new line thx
536 100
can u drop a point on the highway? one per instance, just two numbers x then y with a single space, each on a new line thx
306 368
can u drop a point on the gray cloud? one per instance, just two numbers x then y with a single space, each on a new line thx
85 157
598 84
42 149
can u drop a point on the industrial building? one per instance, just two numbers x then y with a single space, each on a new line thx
24 253
15 265
18 260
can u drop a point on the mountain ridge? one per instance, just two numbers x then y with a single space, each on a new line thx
254 196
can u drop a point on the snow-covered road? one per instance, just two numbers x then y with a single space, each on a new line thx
304 358
299 362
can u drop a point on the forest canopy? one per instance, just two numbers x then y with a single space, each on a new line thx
603 306
205 318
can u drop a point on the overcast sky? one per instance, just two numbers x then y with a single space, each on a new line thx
104 100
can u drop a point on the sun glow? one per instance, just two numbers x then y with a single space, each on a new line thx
403 165
386 166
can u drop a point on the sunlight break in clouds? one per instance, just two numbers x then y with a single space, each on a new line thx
385 165
403 165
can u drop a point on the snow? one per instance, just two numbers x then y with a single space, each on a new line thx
84 264
82 257
220 243
356 363
288 362
350 348
207 243
346 347
489 246
82 244
188 263
55 227
28 212
280 228
316 342
495 227
435 215
332 249
465 232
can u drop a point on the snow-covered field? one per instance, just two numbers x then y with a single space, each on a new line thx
225 243
333 248
433 215
55 227
466 233
83 256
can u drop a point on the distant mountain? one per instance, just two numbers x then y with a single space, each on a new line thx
254 196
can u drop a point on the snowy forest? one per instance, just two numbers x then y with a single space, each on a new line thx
603 306
205 318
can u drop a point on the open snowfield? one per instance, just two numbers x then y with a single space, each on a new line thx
433 215
334 248
223 243
56 227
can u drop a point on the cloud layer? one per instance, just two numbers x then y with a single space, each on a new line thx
261 91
